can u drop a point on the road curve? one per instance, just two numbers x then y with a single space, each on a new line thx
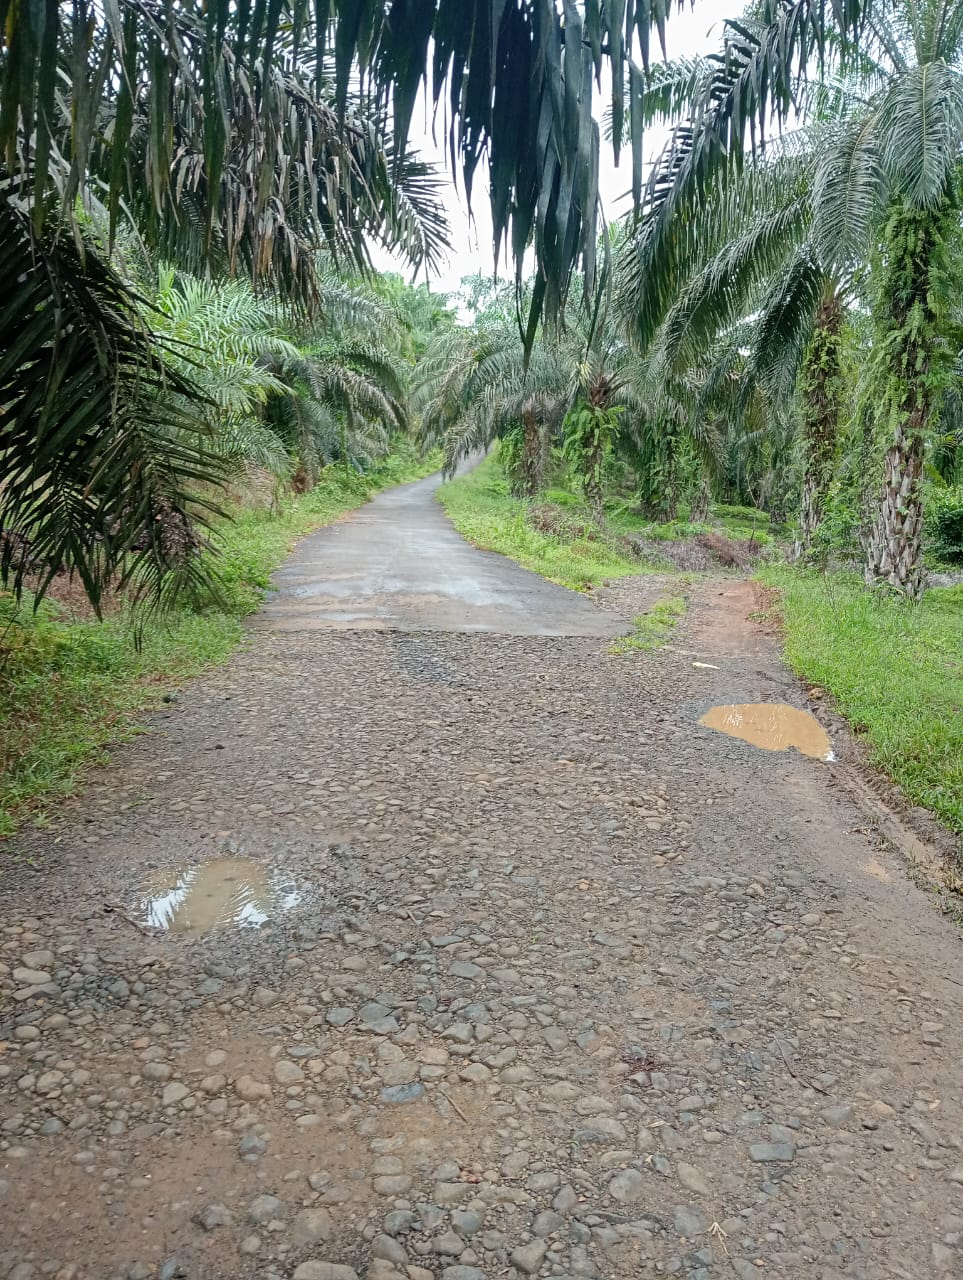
398 564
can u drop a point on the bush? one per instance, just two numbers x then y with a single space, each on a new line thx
944 523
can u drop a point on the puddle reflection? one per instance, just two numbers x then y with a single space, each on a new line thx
212 895
774 726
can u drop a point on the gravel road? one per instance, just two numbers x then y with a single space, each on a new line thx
549 979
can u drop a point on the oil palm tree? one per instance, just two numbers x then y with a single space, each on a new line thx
751 270
222 155
475 385
885 179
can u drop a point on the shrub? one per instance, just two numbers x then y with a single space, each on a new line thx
944 523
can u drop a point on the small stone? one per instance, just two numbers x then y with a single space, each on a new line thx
174 1092
250 1090
402 1092
461 1032
310 1226
250 1245
448 1193
448 1244
566 1200
774 1152
475 1073
692 1179
392 1184
31 977
398 1223
251 1146
689 1220
627 1186
339 1017
467 1222
836 1117
462 1273
528 1258
213 1216
388 1249
324 1271
264 1208
286 1072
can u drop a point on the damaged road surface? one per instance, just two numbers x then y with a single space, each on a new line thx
523 972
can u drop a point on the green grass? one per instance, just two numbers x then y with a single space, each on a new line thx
70 689
895 671
483 511
652 629
739 523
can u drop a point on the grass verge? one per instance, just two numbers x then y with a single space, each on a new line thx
70 688
483 511
652 629
895 671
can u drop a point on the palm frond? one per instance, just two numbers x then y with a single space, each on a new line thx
102 456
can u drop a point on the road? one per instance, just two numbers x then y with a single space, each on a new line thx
397 564
451 953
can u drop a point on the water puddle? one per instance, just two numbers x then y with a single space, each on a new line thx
774 726
224 892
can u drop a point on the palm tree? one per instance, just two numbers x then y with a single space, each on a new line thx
885 178
475 385
750 252
224 155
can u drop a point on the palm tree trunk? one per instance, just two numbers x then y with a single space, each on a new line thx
916 365
821 385
700 503
896 544
532 455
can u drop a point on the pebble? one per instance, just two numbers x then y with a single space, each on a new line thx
776 1152
324 1271
528 1258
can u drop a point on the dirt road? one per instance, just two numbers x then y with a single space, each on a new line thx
549 981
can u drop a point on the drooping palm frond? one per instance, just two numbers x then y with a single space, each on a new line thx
215 85
737 94
207 126
100 466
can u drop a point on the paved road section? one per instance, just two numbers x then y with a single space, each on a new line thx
398 564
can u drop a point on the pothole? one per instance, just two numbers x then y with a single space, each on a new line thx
774 726
217 894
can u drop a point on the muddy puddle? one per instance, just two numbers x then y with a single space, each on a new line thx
221 893
774 726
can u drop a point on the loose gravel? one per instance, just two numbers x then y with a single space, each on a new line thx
571 986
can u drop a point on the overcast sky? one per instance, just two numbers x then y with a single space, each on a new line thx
695 31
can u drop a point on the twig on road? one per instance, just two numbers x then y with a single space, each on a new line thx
454 1105
809 1084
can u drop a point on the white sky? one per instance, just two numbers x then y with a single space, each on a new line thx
692 32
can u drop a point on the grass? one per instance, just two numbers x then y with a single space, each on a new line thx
742 524
483 511
895 671
652 629
70 688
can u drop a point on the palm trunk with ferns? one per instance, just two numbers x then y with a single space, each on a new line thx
915 366
820 388
533 454
599 403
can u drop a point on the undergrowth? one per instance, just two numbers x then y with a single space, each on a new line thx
71 686
895 670
573 552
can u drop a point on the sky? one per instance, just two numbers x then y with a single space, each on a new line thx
695 31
